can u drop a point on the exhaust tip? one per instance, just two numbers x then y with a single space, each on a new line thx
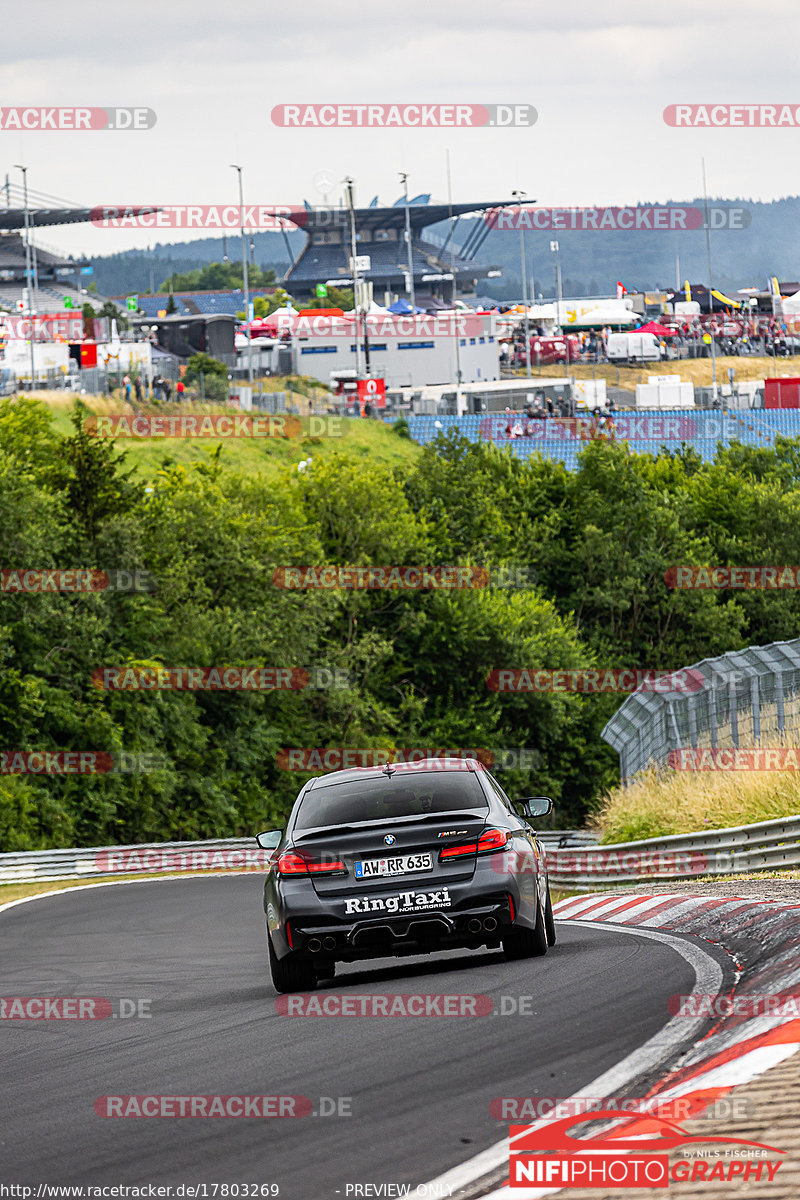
490 924
329 943
314 945
474 925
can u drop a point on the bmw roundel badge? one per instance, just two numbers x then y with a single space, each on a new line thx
390 839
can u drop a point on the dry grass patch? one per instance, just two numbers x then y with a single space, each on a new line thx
658 803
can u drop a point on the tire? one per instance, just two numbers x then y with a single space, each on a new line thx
527 943
549 922
291 974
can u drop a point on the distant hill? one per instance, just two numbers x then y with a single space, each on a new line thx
138 271
591 263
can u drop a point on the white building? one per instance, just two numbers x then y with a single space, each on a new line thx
426 354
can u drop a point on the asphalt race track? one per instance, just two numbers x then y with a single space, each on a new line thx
420 1087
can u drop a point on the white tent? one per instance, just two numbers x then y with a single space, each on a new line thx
608 316
791 305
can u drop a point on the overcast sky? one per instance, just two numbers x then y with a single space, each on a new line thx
599 75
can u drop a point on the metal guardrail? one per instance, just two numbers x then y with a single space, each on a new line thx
224 854
765 846
575 860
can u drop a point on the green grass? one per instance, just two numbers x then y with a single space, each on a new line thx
659 803
371 440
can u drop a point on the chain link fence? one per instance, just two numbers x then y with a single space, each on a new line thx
747 698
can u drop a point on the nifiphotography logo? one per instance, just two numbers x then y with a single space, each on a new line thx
632 1155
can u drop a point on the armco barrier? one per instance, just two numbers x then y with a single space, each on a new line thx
225 854
768 845
574 861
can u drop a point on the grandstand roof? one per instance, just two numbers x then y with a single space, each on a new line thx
394 217
14 218
327 261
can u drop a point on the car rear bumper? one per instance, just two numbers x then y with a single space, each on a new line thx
480 923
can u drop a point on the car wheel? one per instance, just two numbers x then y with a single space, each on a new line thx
292 973
527 943
549 922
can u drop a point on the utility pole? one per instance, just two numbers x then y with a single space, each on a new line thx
710 297
28 273
411 297
238 170
354 272
457 339
519 196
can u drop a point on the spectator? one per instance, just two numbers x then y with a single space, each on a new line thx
137 387
180 388
166 388
127 385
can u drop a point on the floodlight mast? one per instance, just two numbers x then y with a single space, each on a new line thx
28 268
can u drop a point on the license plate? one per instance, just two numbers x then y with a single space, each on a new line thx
402 864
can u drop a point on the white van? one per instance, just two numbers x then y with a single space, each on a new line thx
633 347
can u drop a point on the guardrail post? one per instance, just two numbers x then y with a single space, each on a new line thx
756 706
691 713
712 718
779 704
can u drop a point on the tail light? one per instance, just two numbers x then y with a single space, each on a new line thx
291 863
489 841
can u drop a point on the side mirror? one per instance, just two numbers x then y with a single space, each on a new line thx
534 806
270 839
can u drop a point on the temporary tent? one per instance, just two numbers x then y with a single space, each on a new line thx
660 331
607 316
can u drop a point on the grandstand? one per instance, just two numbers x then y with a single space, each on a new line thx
192 304
561 441
57 276
381 235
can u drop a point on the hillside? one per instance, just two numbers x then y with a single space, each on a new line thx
591 263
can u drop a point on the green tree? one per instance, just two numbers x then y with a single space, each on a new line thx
90 472
336 298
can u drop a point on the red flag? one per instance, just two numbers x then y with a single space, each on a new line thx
621 290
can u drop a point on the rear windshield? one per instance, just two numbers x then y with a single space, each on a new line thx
385 797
